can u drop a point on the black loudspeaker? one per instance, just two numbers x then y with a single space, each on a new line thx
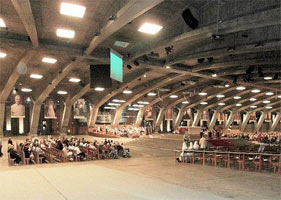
100 76
189 19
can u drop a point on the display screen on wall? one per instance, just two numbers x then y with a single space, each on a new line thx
49 111
18 109
80 109
148 113
169 114
116 66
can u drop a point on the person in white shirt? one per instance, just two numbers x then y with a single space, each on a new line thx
203 143
196 145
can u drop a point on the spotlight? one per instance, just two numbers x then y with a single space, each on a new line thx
129 67
200 60
210 59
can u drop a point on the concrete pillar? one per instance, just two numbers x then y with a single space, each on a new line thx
117 116
35 119
230 119
93 116
65 118
139 117
213 120
275 122
168 125
245 121
197 118
179 118
261 120
159 119
2 117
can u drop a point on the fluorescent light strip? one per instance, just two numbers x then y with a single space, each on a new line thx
220 96
2 23
62 92
202 93
26 90
99 89
36 76
204 103
65 33
237 97
75 80
127 92
256 91
109 108
269 93
221 104
150 28
185 102
49 60
151 94
72 10
173 96
240 88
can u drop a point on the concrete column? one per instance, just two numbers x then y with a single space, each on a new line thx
65 118
179 118
230 119
159 119
93 116
275 122
2 117
197 118
245 121
117 116
35 118
213 120
139 117
261 120
168 125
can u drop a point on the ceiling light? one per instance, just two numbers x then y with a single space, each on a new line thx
133 109
3 55
240 88
202 93
72 10
26 89
118 100
65 33
238 104
150 28
36 76
185 102
256 91
62 92
2 23
253 99
267 78
173 96
28 99
214 75
253 106
75 80
99 89
151 94
268 107
237 97
221 104
269 93
266 101
114 104
204 103
127 92
220 96
109 108
279 96
49 60
143 102
168 67
226 85
137 105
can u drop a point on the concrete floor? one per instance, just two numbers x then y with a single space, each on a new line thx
151 173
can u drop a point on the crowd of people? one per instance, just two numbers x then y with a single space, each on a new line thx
123 131
71 149
266 138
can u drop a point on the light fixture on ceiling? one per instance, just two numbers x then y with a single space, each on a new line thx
109 108
151 94
226 85
168 67
133 109
238 104
202 93
214 75
62 92
26 89
279 96
36 76
3 55
150 28
174 96
253 99
127 92
65 33
28 99
204 103
221 104
114 104
75 80
72 10
185 102
236 97
266 101
253 106
2 23
220 96
269 93
99 89
240 88
49 60
119 100
256 91
138 106
268 107
143 102
267 78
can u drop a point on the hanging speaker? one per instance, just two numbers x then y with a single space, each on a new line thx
100 76
189 19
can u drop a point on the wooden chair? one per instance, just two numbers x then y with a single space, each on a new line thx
11 161
275 163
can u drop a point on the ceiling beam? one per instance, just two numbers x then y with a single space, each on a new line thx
132 10
24 11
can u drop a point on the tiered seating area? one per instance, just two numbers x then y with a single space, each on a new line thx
63 149
109 131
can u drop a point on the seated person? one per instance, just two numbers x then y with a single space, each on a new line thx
14 154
